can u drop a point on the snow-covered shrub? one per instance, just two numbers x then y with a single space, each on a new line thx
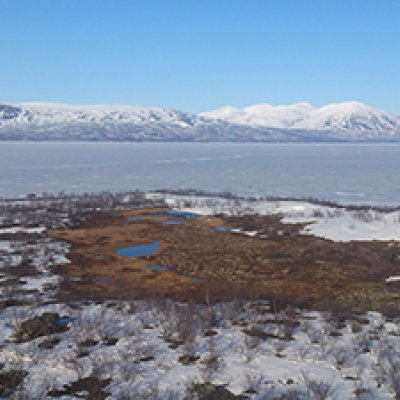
318 389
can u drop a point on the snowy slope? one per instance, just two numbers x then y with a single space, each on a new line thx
352 117
299 122
263 115
45 121
92 121
337 224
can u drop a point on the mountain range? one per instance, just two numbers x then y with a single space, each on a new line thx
300 122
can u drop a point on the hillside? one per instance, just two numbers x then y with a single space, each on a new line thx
353 119
301 122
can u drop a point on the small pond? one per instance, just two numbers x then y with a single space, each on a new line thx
65 320
156 267
178 214
139 250
171 222
222 229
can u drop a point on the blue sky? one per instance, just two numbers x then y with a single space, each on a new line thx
198 55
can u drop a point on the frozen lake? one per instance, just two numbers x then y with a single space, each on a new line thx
348 173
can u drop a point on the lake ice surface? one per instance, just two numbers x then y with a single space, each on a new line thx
348 173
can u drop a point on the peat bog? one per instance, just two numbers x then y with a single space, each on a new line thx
213 255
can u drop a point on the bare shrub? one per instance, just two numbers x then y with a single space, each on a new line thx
278 302
279 346
362 343
131 307
388 370
212 363
254 382
317 213
15 358
155 393
89 326
288 323
364 216
168 321
180 323
210 316
361 392
269 393
314 333
187 323
75 364
294 393
146 391
355 326
250 345
229 311
318 390
341 355
337 314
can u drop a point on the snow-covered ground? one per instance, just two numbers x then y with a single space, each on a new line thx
338 224
395 278
346 356
16 229
41 256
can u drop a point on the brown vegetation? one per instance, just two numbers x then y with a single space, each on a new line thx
279 263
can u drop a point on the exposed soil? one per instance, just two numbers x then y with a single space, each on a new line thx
43 325
9 381
208 391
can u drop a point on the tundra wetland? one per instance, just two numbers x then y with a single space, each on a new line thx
175 295
256 255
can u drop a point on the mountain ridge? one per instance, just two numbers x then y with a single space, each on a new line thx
299 122
345 116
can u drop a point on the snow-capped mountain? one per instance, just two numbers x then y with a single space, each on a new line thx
351 116
299 122
45 121
355 118
262 114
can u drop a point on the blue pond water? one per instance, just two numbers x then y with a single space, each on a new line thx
138 251
178 214
65 320
222 229
156 267
171 222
